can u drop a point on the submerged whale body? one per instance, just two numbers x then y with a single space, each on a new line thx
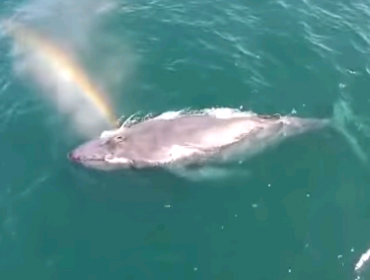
183 139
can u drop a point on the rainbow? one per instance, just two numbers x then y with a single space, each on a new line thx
64 63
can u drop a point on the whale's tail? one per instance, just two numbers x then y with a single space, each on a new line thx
343 116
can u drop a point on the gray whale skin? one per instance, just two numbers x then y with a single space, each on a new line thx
183 139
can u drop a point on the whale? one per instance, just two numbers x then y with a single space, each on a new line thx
191 140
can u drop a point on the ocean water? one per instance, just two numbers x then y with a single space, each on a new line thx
301 211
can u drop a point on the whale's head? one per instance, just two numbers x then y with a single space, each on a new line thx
106 153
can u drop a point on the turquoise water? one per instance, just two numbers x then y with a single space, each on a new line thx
302 212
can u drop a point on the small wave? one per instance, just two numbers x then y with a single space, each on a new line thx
219 113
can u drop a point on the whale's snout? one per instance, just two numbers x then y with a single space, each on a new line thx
72 156
91 154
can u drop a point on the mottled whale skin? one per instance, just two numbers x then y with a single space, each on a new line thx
186 139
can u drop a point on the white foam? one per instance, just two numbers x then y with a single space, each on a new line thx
169 115
228 113
220 113
363 260
110 133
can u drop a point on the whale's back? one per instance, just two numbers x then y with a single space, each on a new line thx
160 141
